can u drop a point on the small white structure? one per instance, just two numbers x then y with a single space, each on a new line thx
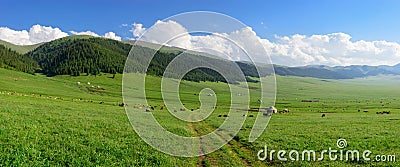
270 110
88 83
273 109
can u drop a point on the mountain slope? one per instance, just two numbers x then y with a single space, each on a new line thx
76 55
10 59
83 55
337 72
315 72
22 49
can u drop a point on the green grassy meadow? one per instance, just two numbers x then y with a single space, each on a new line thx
53 121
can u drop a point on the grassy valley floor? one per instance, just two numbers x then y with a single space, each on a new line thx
47 121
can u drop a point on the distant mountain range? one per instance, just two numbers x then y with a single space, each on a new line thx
337 72
88 55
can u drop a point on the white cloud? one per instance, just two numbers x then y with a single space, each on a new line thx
138 29
295 50
15 37
333 49
112 35
36 34
85 33
169 32
219 44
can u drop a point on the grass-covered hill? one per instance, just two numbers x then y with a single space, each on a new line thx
68 124
22 49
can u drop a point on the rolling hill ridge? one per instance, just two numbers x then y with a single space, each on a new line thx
338 72
86 55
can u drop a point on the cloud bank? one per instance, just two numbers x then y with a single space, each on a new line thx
38 34
296 50
138 29
85 33
110 35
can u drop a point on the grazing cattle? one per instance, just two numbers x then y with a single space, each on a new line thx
88 83
152 108
323 115
225 115
101 102
78 83
182 109
219 115
284 111
259 100
365 110
147 110
175 111
251 115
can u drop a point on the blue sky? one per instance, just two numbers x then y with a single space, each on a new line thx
362 19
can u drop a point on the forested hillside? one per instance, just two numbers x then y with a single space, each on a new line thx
91 56
77 56
10 59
